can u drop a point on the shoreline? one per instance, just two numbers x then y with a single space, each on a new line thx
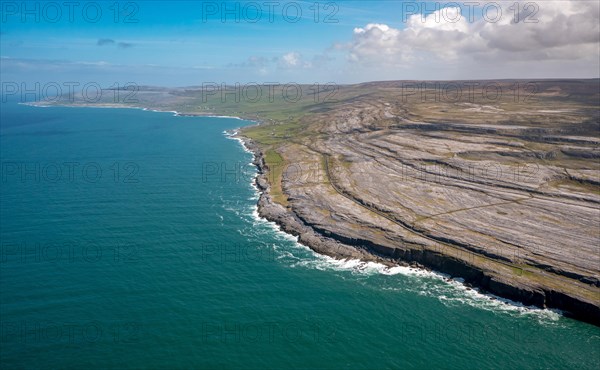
339 247
116 106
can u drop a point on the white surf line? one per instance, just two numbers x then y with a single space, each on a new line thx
175 113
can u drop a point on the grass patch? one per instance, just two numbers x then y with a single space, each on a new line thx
276 165
274 134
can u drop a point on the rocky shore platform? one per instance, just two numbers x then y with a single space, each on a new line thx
504 196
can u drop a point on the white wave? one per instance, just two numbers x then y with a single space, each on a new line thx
356 266
233 136
475 298
175 113
232 117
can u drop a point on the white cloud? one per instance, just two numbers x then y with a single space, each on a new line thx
289 61
565 30
293 60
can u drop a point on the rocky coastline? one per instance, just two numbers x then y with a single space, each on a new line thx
341 247
503 194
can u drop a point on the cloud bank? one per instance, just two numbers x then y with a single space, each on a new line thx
545 31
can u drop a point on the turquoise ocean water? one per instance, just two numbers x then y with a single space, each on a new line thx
130 240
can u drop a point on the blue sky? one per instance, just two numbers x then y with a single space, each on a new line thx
183 43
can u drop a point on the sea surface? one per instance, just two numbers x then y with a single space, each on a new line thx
130 239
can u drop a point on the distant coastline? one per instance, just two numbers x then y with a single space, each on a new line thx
121 106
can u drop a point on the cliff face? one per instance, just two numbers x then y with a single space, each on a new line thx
507 200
